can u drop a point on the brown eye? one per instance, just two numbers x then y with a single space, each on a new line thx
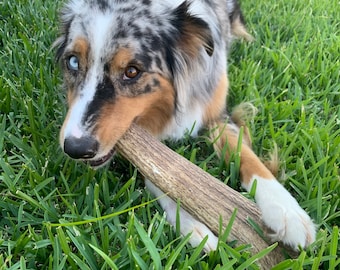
131 73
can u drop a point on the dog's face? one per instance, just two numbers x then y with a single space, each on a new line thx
119 60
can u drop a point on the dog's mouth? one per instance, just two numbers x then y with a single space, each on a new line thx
96 163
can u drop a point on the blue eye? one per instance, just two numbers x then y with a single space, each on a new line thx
73 63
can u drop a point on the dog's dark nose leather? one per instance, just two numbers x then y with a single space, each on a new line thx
81 148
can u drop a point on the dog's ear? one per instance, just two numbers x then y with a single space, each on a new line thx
60 43
194 31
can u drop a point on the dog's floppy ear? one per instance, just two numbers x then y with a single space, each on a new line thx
60 43
194 31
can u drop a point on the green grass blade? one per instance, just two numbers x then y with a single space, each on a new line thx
83 247
149 245
175 253
105 257
257 257
225 234
334 247
80 264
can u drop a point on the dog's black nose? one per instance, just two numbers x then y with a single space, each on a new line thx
81 148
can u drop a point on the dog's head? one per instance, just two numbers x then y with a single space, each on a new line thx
119 60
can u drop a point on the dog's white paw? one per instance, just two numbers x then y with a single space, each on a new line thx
188 224
282 214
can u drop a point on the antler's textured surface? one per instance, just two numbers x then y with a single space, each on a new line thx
200 194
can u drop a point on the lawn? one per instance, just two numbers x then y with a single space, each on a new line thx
291 73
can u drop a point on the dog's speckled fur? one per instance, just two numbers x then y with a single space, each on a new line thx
162 65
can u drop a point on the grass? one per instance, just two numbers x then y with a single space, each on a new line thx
290 73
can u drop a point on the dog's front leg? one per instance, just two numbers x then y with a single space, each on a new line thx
280 211
188 224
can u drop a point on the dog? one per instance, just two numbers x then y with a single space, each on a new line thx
163 66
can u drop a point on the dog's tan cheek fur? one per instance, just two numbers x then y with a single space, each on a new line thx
71 98
152 111
155 117
61 134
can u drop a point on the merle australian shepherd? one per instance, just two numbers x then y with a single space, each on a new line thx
162 65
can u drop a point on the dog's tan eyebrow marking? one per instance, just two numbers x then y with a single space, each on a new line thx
81 47
122 59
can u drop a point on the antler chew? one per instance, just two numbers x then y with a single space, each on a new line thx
200 194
